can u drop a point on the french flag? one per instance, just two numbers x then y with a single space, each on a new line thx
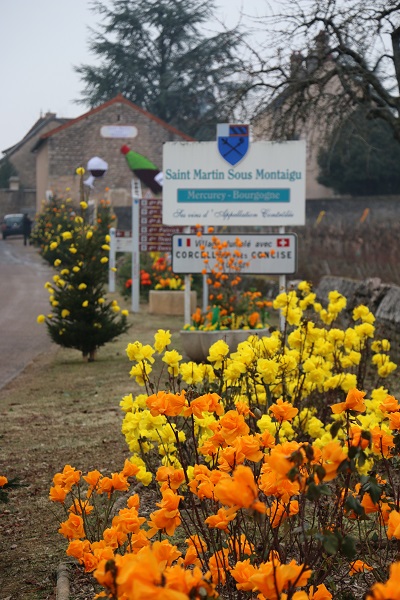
181 242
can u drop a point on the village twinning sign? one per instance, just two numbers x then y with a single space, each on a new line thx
233 182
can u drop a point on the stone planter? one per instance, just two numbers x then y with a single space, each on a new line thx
196 344
170 302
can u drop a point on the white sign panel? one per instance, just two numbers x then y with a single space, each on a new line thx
118 131
270 254
265 187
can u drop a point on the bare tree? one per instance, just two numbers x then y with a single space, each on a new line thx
324 59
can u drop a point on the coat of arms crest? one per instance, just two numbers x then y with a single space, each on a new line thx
233 142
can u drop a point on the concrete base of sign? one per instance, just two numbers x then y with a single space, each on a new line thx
170 302
196 344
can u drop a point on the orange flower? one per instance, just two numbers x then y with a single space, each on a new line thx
283 411
77 548
222 518
332 456
253 319
68 478
129 469
394 525
280 511
219 565
389 404
173 478
72 528
240 490
233 424
128 520
58 494
390 589
354 401
321 593
115 482
3 480
78 507
358 566
165 553
92 478
394 420
113 537
381 441
249 445
241 573
356 438
271 578
279 459
368 505
165 403
168 517
206 403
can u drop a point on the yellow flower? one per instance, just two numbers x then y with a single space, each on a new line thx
125 312
104 260
89 235
105 247
85 303
65 312
80 171
41 319
57 262
161 339
100 301
66 235
82 286
53 245
83 205
72 250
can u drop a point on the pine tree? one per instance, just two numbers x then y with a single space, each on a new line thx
155 54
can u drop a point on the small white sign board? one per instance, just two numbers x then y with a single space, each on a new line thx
272 254
267 186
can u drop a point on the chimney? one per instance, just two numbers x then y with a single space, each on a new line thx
296 64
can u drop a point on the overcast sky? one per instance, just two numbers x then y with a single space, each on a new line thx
40 42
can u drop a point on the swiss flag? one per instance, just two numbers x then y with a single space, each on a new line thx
283 242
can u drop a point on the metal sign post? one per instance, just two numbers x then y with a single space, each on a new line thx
111 260
136 195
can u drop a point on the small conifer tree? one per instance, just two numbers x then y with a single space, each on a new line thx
81 317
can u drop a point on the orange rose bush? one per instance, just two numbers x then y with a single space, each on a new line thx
273 469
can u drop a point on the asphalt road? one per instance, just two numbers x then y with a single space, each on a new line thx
22 298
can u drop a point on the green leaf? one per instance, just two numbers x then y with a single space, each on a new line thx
331 543
348 547
313 492
335 428
320 472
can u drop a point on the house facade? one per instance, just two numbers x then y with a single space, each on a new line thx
99 132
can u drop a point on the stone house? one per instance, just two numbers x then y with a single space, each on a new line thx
19 194
100 132
310 130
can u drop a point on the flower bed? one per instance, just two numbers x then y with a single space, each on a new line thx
275 468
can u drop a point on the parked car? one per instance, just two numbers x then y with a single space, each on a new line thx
12 225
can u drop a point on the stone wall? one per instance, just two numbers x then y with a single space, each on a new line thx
381 298
19 201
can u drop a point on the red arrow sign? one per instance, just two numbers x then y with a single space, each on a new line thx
283 242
